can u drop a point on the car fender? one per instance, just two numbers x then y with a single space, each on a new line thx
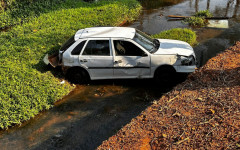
162 60
65 69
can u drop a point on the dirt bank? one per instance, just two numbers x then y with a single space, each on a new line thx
202 112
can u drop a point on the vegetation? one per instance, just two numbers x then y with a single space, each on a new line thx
19 11
153 4
26 87
196 21
186 35
203 13
199 19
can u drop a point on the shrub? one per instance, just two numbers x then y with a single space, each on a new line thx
186 35
203 13
198 19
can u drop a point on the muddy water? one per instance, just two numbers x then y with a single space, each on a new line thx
93 113
211 40
82 120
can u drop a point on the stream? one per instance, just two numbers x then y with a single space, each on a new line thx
93 113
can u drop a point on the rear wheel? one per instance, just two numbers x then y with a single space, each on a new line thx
165 75
77 76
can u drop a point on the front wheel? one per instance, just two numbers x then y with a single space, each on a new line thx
77 76
165 75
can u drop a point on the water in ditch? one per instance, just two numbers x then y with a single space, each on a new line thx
212 40
92 113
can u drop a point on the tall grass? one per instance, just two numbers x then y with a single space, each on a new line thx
26 87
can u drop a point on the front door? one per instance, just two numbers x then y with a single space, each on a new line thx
130 61
98 59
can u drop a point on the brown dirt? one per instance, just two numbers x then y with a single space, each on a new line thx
201 113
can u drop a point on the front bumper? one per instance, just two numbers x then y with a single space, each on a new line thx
185 69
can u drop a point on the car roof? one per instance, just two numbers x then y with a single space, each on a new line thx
106 32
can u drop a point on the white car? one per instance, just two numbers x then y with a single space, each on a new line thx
121 53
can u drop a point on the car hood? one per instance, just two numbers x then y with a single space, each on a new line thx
174 47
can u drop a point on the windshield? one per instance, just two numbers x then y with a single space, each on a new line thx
67 44
146 42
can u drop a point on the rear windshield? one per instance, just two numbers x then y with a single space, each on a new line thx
67 44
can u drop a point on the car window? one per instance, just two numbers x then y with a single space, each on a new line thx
126 48
67 44
97 47
77 50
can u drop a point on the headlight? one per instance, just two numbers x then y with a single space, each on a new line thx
187 60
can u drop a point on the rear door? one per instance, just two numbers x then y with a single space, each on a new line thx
97 58
130 60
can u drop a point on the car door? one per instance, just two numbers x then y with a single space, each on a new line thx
97 58
130 60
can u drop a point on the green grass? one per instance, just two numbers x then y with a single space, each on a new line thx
26 87
19 11
198 20
186 35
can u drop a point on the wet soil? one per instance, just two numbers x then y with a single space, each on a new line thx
200 113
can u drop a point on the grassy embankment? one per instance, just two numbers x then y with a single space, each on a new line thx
14 12
26 87
186 35
200 113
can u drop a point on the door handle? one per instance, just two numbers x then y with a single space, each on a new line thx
118 61
84 60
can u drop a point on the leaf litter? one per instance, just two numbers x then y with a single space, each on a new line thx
200 113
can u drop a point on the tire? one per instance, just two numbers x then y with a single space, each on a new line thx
165 75
77 76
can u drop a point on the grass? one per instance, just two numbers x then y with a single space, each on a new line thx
19 11
186 35
26 87
198 20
